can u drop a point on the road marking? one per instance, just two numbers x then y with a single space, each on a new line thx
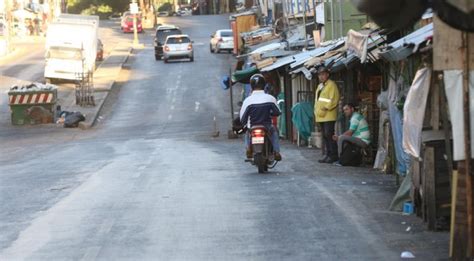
196 108
198 44
170 117
106 226
91 253
137 175
142 167
172 107
179 76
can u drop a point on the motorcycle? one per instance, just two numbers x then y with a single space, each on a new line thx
261 145
262 149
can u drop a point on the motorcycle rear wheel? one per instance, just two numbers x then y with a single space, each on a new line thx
260 162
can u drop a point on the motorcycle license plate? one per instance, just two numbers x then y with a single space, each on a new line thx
258 140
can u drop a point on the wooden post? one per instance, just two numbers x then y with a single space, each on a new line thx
429 185
467 145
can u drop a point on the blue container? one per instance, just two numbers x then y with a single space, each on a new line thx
408 208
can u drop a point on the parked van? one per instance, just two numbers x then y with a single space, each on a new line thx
71 47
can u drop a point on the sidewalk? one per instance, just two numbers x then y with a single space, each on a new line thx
367 193
104 78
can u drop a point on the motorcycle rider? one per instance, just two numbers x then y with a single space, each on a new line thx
258 109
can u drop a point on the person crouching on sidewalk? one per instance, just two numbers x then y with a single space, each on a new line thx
358 133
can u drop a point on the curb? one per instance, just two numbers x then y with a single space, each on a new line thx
102 94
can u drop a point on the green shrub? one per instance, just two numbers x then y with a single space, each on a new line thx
165 7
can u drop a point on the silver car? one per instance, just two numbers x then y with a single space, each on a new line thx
222 40
178 47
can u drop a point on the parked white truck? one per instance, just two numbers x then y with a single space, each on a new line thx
71 46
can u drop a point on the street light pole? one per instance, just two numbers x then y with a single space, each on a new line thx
134 11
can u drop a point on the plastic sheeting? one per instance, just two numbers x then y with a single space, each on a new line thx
414 112
453 84
357 42
303 118
396 123
282 118
403 194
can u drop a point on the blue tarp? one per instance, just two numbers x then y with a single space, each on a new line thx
396 122
303 118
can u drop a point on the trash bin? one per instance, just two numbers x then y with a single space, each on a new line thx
32 104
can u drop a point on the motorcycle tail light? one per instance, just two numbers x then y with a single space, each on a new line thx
258 133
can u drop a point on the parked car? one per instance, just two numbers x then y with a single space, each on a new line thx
221 40
184 11
115 16
178 47
163 13
162 32
100 51
127 24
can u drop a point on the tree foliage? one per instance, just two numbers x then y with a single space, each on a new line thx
97 6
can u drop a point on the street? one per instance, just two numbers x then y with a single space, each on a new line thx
150 182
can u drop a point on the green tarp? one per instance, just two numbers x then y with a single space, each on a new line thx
244 75
303 119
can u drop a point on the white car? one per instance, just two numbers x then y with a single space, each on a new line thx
178 47
184 11
222 40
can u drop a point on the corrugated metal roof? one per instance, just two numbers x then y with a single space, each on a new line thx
416 37
279 63
269 47
278 53
301 59
404 47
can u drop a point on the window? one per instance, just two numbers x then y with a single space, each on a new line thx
65 53
162 34
178 40
226 33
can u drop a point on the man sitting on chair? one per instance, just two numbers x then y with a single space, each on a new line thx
358 133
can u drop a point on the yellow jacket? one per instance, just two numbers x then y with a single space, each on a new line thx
327 96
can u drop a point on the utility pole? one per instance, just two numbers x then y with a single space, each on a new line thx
304 25
134 11
9 25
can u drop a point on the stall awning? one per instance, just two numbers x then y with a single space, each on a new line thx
269 47
244 75
316 53
277 53
315 57
279 63
404 47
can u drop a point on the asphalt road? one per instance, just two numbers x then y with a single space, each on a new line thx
149 182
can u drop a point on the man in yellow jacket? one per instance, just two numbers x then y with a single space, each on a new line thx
325 112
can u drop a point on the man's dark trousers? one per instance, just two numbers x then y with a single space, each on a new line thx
329 143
